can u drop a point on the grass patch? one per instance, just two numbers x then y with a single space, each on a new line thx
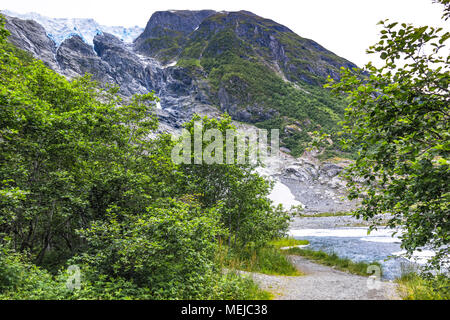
260 294
189 63
326 214
414 287
268 260
242 287
287 242
333 260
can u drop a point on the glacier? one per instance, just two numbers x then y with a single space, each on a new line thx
60 29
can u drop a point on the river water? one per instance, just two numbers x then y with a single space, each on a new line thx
355 244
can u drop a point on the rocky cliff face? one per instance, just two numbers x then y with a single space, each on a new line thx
166 32
112 61
31 36
317 185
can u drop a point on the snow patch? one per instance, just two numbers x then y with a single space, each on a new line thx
172 64
281 194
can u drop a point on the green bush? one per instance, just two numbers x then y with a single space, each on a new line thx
168 249
413 286
20 279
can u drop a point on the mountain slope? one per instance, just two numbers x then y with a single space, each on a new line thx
261 72
255 69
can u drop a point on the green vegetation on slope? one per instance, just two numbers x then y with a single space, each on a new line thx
287 242
239 64
266 260
326 214
416 287
252 83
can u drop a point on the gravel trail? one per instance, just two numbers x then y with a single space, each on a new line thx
323 283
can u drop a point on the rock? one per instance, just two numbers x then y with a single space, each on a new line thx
112 61
182 21
292 129
176 24
330 170
76 58
32 37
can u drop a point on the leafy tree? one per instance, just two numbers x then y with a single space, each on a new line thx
238 191
3 32
398 119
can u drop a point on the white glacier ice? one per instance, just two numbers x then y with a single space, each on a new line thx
380 235
280 194
60 29
172 64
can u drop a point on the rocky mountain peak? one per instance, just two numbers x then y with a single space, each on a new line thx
166 30
235 19
183 21
40 45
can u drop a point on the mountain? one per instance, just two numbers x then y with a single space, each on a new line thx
208 62
189 34
257 70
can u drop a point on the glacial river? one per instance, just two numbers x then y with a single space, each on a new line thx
354 243
357 245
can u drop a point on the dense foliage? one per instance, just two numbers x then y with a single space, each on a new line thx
398 119
242 194
416 287
82 182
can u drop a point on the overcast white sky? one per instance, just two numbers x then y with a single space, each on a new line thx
346 27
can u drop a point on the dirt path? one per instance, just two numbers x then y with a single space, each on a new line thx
323 283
